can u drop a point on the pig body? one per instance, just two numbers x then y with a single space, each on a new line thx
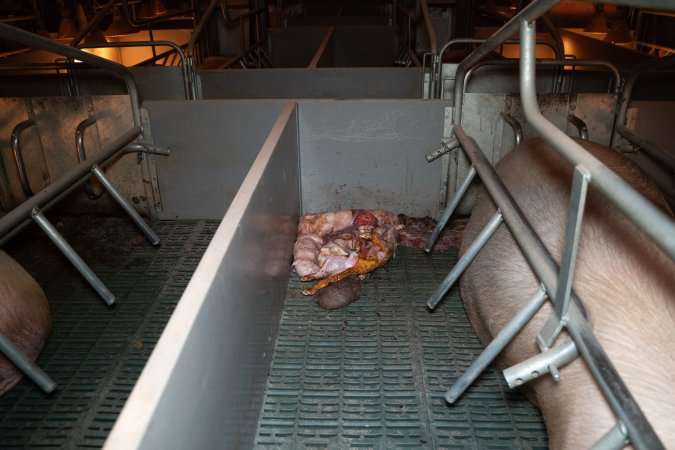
625 282
25 318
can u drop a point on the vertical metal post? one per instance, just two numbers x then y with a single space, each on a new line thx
137 219
73 257
561 302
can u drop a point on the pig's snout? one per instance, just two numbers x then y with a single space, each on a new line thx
25 318
626 283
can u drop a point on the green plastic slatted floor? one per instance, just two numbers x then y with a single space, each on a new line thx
373 375
96 353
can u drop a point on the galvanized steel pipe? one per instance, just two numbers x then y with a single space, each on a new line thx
78 174
650 219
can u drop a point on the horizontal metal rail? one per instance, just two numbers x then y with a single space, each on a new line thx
174 49
621 400
650 219
33 40
530 12
614 87
19 216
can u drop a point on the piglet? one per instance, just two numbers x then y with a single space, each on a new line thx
25 318
626 283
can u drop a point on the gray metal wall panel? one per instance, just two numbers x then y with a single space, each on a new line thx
213 144
370 154
295 47
313 83
204 383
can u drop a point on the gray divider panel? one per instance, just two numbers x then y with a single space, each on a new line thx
358 154
204 383
213 144
341 82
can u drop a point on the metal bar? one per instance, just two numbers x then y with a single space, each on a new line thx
580 125
32 370
33 40
16 216
126 206
554 62
18 155
322 47
545 268
559 318
465 260
136 148
431 32
495 347
647 146
515 126
89 188
456 41
446 147
92 23
530 12
560 54
614 439
449 210
72 256
542 363
200 27
651 220
174 48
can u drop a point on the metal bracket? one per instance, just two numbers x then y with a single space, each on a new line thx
18 155
558 320
549 361
446 147
92 192
580 125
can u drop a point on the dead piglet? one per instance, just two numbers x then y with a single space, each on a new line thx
340 294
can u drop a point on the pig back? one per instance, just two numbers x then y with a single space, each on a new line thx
25 317
626 283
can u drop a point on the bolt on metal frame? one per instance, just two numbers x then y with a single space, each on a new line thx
556 282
